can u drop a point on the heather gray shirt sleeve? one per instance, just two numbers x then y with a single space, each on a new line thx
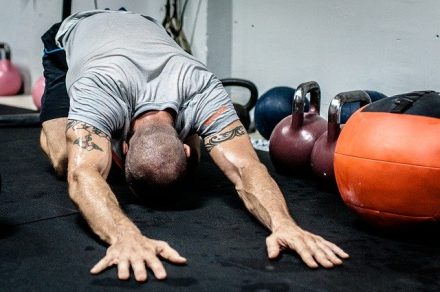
208 111
98 104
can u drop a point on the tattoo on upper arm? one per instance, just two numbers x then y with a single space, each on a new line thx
229 135
86 141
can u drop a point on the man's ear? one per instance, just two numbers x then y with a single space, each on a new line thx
187 150
124 148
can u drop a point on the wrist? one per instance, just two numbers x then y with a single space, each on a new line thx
279 223
124 231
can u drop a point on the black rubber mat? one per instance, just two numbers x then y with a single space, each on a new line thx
11 116
45 245
11 110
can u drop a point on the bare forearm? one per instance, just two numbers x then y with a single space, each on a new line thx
233 153
262 196
99 206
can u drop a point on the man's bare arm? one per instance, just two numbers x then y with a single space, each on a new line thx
89 161
233 153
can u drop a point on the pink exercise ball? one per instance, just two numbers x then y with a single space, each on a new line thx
37 91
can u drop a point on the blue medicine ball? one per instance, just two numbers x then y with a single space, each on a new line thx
272 107
349 108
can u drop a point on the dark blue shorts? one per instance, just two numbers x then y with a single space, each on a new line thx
55 100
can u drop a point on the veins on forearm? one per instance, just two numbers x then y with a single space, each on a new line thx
86 141
263 198
220 138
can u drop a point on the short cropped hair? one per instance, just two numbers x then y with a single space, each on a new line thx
155 160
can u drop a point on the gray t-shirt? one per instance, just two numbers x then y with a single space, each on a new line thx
122 64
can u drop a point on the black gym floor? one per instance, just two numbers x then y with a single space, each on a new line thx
45 245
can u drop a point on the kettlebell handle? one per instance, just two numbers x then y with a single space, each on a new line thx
246 84
335 110
7 51
302 90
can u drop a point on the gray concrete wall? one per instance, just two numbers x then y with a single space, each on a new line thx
219 39
391 46
22 22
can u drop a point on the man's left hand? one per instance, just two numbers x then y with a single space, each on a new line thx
313 249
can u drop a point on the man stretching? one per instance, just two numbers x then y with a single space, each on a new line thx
128 89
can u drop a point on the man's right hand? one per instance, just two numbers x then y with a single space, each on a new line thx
138 252
89 157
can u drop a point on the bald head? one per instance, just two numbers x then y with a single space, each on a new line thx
156 158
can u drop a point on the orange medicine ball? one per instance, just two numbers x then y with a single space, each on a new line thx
387 160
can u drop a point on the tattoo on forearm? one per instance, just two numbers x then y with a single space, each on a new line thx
86 142
220 138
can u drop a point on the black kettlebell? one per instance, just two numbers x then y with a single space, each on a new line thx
243 110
